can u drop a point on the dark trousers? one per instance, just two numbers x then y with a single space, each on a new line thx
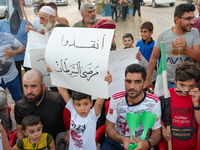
79 4
18 65
111 145
124 12
114 11
136 7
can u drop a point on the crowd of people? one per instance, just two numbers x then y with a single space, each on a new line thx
39 112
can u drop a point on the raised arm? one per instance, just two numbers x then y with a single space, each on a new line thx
151 66
99 103
114 135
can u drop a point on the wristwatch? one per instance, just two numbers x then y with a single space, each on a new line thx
196 108
149 144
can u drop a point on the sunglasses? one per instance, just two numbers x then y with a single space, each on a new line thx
180 91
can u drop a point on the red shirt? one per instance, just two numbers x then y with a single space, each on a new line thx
182 113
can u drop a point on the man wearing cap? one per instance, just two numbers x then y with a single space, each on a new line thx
88 14
47 19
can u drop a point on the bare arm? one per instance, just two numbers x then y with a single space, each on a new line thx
64 93
20 134
165 133
52 146
152 63
10 53
99 103
155 137
114 135
6 144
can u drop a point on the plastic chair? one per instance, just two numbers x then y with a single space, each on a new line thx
9 110
102 129
161 146
66 120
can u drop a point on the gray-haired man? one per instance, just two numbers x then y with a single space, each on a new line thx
88 14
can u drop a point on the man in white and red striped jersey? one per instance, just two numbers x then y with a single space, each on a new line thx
134 100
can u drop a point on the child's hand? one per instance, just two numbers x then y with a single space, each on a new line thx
48 68
195 93
67 137
138 56
166 134
108 77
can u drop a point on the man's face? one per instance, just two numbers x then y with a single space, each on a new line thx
45 21
186 21
198 7
33 90
83 106
89 15
128 42
183 87
134 84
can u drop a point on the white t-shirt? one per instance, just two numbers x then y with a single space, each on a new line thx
119 108
82 129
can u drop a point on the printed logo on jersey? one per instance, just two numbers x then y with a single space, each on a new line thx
111 111
177 51
76 134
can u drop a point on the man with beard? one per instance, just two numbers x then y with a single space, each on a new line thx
47 19
46 104
182 43
133 100
88 14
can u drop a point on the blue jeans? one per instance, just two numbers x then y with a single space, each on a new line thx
171 85
111 145
15 90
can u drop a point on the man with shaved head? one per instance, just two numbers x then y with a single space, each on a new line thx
36 100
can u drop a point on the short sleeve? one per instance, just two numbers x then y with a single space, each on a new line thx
18 118
16 43
157 110
49 139
69 105
196 39
20 144
112 112
159 39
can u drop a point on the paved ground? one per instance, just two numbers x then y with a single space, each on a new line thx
161 17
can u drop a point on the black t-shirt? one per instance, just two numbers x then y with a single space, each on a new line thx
50 111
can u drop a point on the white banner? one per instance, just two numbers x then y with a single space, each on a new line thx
38 62
79 59
35 41
118 61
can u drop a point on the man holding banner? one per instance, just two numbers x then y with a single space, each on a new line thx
182 43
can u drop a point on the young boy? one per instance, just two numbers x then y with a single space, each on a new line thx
35 139
128 43
185 109
83 118
147 43
128 40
